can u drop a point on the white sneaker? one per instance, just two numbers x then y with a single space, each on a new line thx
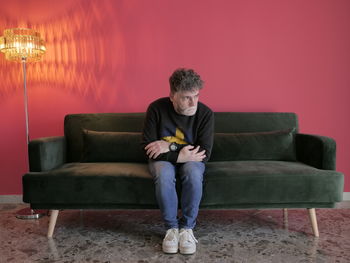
171 241
187 241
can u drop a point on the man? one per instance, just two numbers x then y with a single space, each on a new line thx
177 138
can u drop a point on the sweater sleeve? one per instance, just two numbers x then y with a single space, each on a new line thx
206 134
151 134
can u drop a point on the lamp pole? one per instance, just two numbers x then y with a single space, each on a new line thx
24 59
27 213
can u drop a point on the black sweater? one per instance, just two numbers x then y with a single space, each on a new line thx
164 123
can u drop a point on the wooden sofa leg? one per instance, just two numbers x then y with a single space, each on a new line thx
285 218
313 219
53 219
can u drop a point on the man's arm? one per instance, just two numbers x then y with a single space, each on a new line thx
154 147
206 134
191 153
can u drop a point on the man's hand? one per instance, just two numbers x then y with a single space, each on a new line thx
157 147
189 153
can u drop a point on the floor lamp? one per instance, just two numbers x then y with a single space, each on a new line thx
23 45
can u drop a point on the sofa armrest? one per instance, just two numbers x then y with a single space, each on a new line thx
315 150
46 153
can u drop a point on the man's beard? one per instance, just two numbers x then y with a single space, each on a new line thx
189 111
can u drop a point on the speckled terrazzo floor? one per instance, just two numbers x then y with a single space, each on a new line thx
136 236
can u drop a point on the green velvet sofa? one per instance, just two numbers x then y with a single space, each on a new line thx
258 161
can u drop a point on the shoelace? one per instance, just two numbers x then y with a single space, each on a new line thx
170 232
190 233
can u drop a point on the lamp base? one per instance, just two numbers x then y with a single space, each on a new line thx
28 213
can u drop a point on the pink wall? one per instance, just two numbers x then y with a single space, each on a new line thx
116 56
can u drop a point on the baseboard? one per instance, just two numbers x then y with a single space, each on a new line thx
17 199
346 196
11 199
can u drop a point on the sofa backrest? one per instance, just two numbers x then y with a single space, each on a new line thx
225 122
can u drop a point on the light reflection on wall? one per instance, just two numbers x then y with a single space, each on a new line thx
85 51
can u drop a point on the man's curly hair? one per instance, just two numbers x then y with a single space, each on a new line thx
185 80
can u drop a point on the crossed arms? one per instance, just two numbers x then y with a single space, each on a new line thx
187 154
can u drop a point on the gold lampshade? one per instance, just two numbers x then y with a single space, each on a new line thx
22 43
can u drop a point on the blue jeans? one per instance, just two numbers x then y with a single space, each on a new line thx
191 176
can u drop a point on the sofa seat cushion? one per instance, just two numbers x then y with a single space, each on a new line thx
91 183
269 182
228 184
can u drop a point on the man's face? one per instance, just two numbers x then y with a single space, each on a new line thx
185 102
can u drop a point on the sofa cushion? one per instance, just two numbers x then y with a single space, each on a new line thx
226 185
273 145
95 184
231 183
112 147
